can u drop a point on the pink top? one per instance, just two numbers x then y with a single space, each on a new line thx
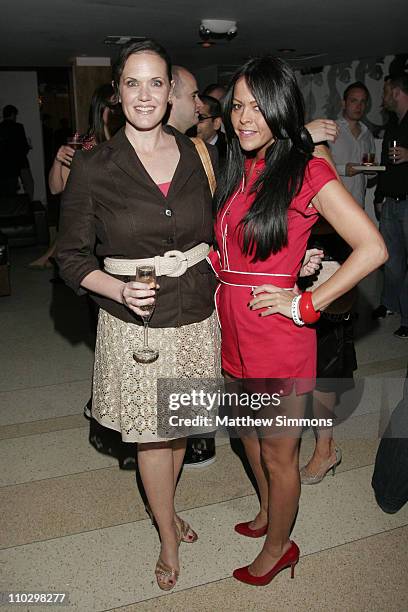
164 188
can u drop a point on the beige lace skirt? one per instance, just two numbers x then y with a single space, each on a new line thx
125 392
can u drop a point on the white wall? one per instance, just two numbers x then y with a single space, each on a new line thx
21 90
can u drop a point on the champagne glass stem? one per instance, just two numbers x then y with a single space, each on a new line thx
145 333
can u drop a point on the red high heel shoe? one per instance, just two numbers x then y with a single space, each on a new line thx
245 530
289 559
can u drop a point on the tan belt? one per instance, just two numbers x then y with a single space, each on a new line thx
173 263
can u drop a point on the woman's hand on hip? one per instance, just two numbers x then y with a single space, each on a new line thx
274 299
135 295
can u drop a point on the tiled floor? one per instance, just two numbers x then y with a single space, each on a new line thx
73 522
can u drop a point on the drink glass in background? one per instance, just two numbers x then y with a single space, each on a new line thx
392 152
75 142
368 159
146 274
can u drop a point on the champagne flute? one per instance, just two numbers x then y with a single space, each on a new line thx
146 274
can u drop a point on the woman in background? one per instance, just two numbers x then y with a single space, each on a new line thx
104 121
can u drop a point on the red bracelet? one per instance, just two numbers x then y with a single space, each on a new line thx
308 314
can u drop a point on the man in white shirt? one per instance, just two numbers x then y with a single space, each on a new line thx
354 140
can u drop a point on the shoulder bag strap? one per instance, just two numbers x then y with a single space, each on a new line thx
206 161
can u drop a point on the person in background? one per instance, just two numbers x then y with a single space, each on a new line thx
186 103
209 125
390 477
354 141
215 90
336 356
184 115
391 202
100 125
14 147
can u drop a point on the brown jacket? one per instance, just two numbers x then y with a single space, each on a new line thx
112 208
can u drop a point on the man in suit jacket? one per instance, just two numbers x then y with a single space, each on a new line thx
209 125
184 115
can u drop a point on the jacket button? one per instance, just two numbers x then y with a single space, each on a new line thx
168 212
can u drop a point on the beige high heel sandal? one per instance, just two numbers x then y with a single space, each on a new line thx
187 534
167 576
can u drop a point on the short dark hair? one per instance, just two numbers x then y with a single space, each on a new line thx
356 85
138 47
9 110
214 106
399 80
207 91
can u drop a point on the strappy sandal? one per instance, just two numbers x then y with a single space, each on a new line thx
166 576
187 534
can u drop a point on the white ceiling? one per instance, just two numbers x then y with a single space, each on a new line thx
51 32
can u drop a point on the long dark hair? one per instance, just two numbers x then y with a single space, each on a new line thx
274 87
101 99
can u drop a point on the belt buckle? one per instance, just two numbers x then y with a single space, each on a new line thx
181 261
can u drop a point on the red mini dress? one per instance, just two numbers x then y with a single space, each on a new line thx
273 346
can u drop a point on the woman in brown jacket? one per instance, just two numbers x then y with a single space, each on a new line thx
139 195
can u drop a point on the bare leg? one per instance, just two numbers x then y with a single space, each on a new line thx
156 469
323 408
253 452
179 450
281 459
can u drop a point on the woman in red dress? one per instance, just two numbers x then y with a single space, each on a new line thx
269 197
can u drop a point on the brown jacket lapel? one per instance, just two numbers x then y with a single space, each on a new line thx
125 157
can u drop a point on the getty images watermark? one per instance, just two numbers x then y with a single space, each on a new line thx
364 407
203 409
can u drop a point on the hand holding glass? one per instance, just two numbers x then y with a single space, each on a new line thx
368 159
75 142
146 274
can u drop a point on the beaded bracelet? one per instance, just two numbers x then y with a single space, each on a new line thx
307 311
294 309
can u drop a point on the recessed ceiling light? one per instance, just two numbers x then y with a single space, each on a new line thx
286 50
